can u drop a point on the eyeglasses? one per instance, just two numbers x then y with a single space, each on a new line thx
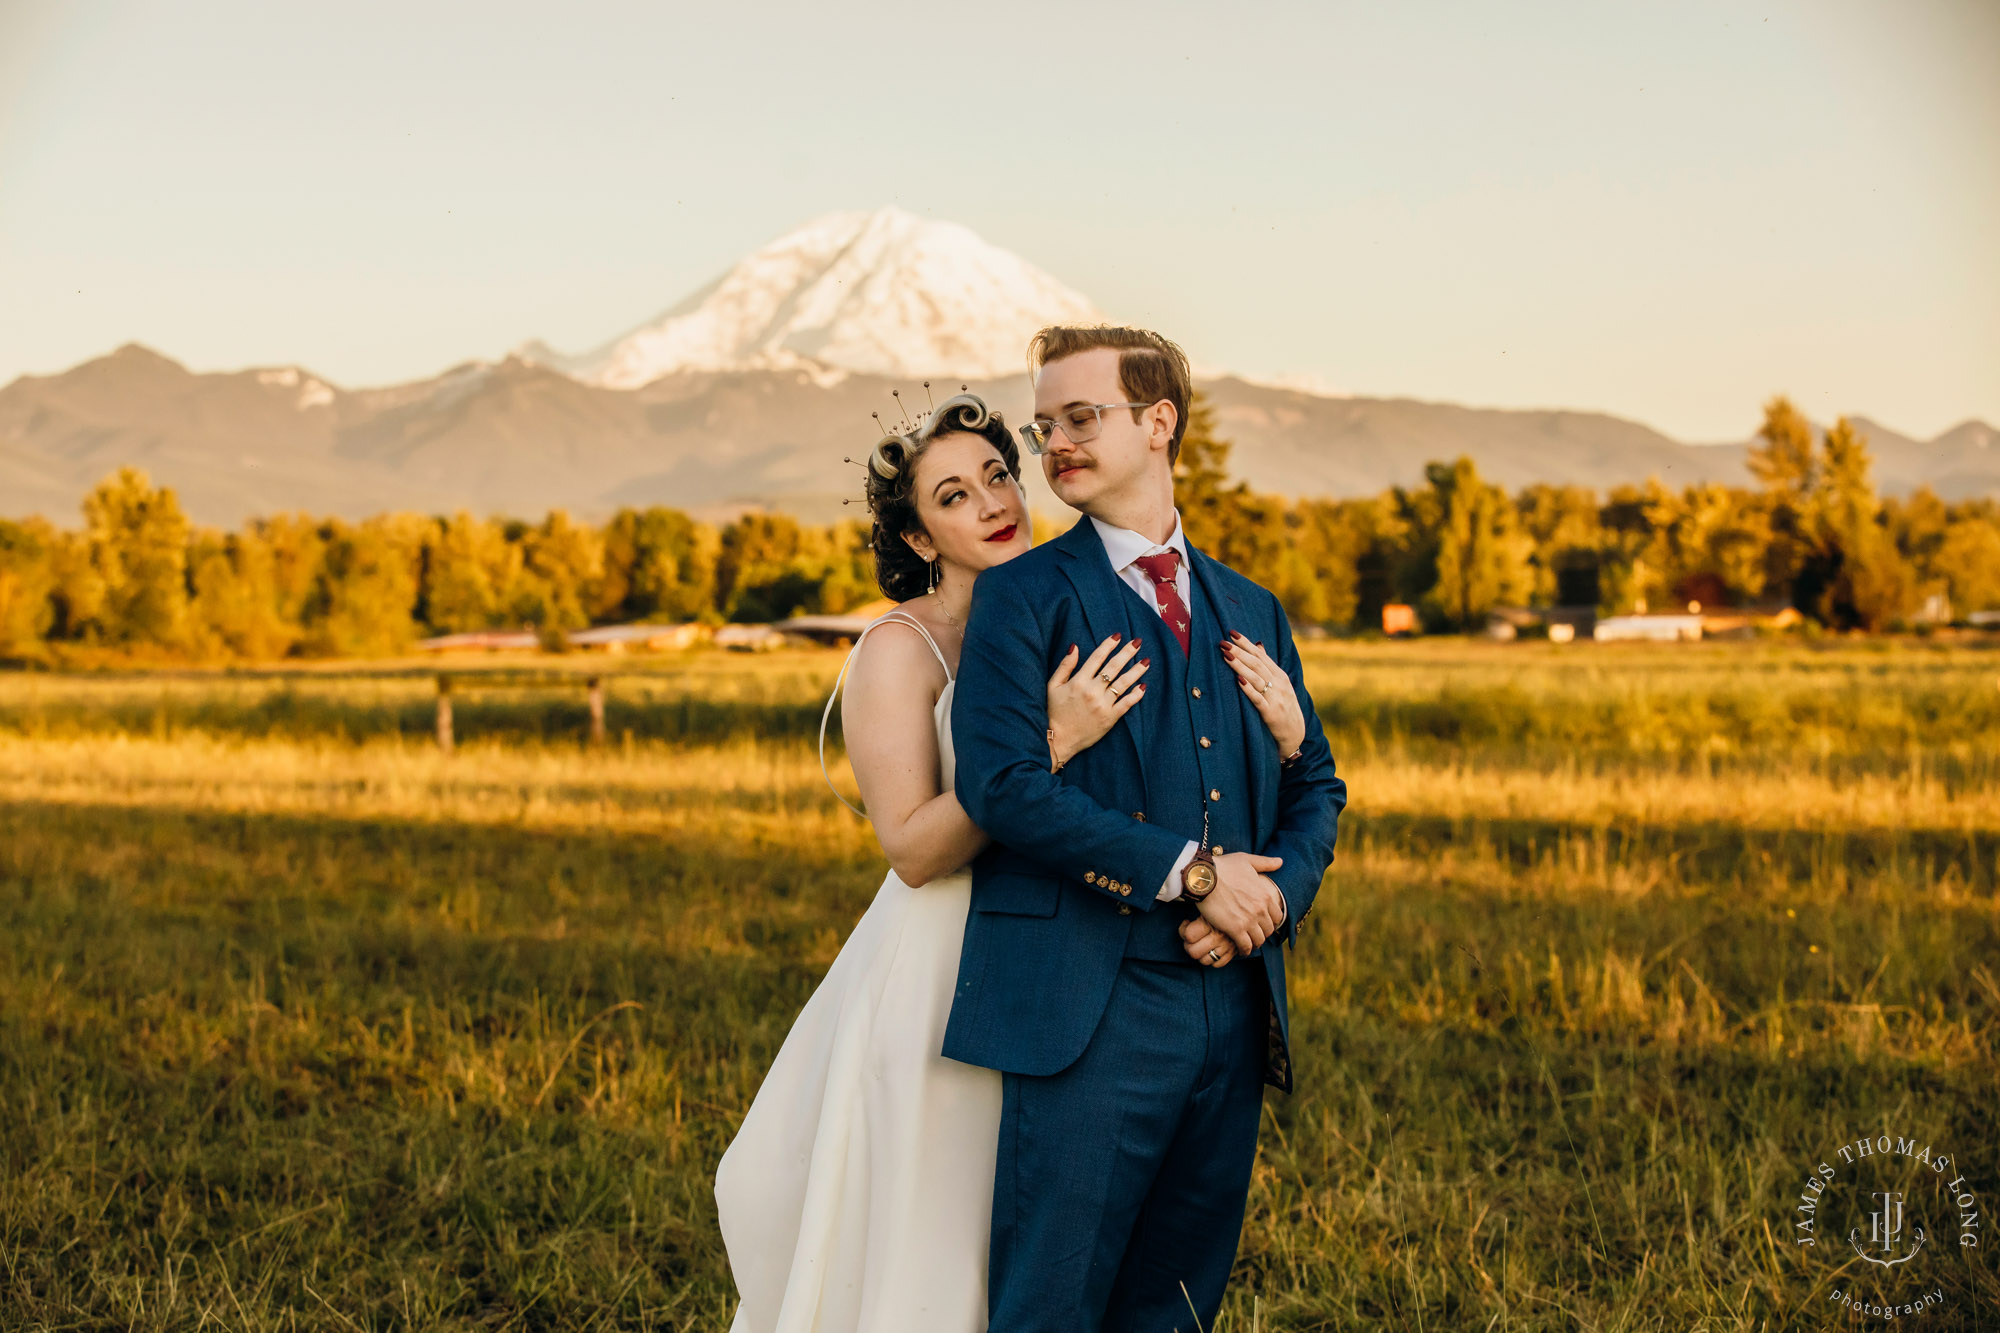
1080 423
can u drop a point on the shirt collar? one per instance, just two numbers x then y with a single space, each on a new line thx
1124 546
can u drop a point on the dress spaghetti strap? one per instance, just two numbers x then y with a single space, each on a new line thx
903 617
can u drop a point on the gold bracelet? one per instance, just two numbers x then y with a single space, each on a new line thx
1055 764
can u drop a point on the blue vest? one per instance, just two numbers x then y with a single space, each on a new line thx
1180 720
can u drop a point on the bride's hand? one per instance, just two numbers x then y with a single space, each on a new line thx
1086 701
1270 691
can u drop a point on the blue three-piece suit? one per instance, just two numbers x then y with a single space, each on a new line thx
1133 1076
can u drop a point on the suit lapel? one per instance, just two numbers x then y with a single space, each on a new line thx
1088 568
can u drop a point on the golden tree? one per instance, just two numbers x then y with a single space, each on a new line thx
138 542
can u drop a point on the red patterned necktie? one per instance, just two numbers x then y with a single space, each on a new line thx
1161 569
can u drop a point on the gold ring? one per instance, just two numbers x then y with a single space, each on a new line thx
1213 957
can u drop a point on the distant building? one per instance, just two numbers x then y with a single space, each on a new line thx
748 638
482 641
631 638
836 630
1504 624
1399 619
1745 621
604 639
1575 622
1648 629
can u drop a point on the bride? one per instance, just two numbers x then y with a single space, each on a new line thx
856 1196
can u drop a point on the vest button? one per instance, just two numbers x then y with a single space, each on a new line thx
1197 691
1204 742
1214 794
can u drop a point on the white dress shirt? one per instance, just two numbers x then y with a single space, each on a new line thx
1124 547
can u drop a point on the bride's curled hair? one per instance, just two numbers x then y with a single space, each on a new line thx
899 571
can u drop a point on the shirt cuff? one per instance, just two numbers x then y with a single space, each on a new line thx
1172 888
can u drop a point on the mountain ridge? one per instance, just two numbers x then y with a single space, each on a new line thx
517 437
749 391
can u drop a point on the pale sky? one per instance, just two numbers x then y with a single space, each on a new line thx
1668 211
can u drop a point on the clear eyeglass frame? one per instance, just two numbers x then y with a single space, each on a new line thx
1038 434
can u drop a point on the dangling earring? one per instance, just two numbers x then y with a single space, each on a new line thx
937 577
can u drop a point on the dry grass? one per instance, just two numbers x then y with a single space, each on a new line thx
666 788
304 1023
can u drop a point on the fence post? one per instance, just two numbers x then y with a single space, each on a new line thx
444 712
597 710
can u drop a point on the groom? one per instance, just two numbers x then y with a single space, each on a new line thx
1122 963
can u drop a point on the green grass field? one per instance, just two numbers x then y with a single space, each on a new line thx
303 1024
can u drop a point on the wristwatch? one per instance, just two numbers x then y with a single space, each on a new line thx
1198 879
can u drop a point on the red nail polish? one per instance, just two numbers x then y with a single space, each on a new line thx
1145 661
1138 643
1116 637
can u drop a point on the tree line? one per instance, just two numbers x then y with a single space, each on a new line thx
139 581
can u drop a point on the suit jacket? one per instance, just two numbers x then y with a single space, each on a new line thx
1045 936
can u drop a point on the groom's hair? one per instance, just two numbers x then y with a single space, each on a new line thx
1149 367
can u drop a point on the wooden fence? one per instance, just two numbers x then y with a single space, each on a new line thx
450 682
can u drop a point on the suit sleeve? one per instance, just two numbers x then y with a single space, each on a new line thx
1000 734
1310 799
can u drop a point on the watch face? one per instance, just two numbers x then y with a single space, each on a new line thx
1200 877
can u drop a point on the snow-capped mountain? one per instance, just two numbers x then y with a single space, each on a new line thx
882 293
752 392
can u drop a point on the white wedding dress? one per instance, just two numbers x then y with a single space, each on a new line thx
857 1196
